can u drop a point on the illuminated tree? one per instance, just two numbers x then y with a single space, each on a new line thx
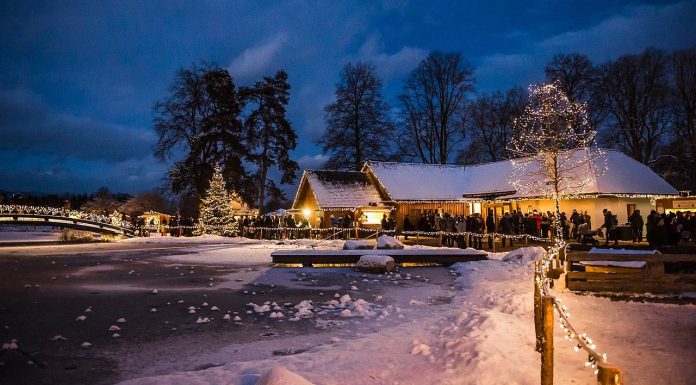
216 215
554 157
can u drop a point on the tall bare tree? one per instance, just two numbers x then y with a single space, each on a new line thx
434 107
684 98
578 79
636 92
491 124
358 122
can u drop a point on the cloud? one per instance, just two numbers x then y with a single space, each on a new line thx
631 31
29 126
57 174
309 162
390 66
503 70
258 59
638 27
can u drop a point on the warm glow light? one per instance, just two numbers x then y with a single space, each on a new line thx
307 213
373 217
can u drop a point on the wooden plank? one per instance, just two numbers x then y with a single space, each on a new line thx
577 257
352 256
585 276
630 286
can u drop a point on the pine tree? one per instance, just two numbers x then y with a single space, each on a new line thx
216 215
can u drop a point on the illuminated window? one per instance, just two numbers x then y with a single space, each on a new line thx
477 207
372 217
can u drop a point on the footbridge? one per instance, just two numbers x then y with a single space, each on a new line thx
62 218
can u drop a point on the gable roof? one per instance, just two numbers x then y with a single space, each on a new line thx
413 181
339 189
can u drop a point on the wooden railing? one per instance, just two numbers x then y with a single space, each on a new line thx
545 305
661 273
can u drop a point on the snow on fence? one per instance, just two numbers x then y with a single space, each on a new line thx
544 306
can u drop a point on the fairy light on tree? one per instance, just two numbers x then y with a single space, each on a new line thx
216 215
553 150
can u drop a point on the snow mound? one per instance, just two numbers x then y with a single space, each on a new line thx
304 309
385 242
282 376
357 245
376 263
419 348
523 254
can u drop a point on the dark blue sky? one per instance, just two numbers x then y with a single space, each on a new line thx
78 79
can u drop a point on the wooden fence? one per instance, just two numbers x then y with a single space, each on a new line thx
544 306
660 273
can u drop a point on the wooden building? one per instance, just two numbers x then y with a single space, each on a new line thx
414 189
323 195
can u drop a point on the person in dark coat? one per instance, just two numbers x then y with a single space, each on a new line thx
490 228
506 227
636 226
609 227
407 226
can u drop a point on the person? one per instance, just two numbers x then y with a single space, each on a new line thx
506 228
575 223
407 226
636 226
516 222
450 227
384 223
545 224
490 228
461 229
609 227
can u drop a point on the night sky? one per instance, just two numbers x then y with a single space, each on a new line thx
78 79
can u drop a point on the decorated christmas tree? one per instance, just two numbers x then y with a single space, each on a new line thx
553 149
216 208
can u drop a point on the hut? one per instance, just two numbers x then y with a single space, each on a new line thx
154 218
323 195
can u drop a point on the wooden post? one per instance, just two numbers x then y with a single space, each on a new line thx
494 244
417 238
526 240
537 305
547 340
609 374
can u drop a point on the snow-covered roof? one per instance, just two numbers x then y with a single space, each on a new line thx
419 181
336 189
412 181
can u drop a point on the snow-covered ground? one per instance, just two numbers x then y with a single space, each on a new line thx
483 333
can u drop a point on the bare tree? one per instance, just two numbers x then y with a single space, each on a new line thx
684 98
636 91
358 122
433 106
491 123
578 79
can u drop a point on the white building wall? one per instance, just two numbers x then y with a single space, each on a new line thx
593 206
